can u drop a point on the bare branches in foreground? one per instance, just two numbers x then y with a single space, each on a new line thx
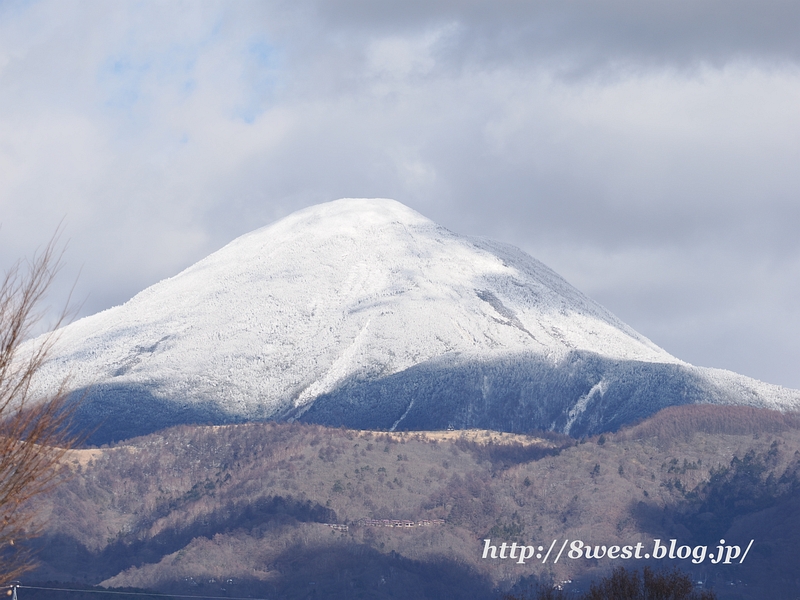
34 432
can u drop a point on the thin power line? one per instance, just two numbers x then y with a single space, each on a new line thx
150 594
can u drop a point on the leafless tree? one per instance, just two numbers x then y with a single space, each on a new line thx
34 432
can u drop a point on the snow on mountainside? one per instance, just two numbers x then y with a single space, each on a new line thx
357 311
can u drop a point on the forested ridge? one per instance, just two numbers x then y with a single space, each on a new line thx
249 509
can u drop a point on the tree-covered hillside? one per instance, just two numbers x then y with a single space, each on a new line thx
278 509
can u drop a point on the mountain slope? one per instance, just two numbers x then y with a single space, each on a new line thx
365 313
244 507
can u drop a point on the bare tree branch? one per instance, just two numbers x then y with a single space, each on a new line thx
34 433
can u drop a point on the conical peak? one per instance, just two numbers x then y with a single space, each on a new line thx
356 291
329 228
378 266
364 211
348 216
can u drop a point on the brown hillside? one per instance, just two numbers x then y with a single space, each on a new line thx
266 508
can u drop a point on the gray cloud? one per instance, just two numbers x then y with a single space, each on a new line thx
592 33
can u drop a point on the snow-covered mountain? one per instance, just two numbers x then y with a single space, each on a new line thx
367 314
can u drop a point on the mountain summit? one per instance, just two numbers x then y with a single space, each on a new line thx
364 313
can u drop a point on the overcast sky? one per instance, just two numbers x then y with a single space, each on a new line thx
648 152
